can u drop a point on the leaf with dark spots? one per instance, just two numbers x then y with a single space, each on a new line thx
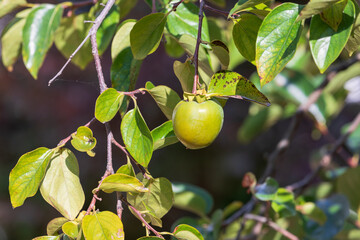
232 85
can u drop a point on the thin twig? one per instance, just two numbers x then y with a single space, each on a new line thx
95 195
140 216
271 224
326 159
119 207
198 41
109 165
122 148
153 9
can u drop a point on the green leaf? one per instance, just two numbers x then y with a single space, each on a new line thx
313 212
221 51
7 6
11 39
172 47
55 225
232 84
120 182
185 73
284 203
277 40
26 176
103 226
124 74
61 186
83 139
315 7
267 191
326 44
107 105
164 135
185 20
165 98
137 137
122 38
244 33
186 232
155 203
150 238
188 43
71 229
336 209
38 35
127 168
107 28
347 184
125 6
48 238
243 4
146 34
333 14
192 198
68 37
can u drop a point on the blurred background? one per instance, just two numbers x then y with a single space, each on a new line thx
34 115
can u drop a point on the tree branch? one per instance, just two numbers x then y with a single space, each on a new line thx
326 159
198 41
271 224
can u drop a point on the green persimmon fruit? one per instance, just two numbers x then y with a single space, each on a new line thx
197 125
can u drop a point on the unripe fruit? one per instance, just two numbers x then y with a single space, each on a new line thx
197 125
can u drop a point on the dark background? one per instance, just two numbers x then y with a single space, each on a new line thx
34 115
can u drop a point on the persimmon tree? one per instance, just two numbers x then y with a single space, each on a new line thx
304 55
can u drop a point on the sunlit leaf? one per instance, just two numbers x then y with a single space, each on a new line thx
243 4
83 139
172 46
55 225
127 168
11 39
164 135
38 35
165 98
68 37
122 38
108 104
314 7
120 182
267 190
146 34
232 84
26 176
327 44
71 229
137 136
186 232
61 186
48 238
103 226
156 202
185 20
284 203
277 39
7 6
313 212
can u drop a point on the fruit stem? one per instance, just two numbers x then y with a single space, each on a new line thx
198 41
